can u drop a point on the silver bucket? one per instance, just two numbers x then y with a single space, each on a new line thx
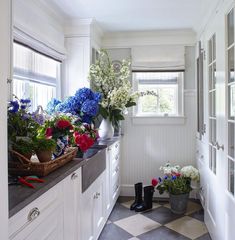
179 203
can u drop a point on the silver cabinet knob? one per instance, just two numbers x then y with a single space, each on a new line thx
74 176
33 214
219 146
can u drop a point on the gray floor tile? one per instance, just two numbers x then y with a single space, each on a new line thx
113 232
122 199
205 237
162 233
199 215
162 215
120 212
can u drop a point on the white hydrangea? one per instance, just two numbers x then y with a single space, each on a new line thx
168 169
190 172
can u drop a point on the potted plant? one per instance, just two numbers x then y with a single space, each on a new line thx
116 91
177 182
44 148
26 148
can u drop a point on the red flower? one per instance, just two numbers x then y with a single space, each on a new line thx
83 141
62 124
177 174
49 132
154 182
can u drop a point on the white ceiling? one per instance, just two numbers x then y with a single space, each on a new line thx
137 15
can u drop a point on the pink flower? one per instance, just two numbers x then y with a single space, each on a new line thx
49 132
154 182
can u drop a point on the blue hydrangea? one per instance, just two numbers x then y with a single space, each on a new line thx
86 119
97 97
165 177
52 105
83 94
90 107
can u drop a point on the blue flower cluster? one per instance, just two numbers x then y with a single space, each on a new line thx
52 104
15 105
85 104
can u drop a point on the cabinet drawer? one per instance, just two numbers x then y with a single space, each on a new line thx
35 210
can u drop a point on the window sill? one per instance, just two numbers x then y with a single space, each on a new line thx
158 120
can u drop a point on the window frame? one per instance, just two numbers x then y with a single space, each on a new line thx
58 82
177 118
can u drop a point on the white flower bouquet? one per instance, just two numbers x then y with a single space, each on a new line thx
115 88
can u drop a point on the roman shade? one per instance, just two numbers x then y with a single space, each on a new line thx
161 57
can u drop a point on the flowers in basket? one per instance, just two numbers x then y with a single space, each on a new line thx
176 180
115 87
68 131
84 104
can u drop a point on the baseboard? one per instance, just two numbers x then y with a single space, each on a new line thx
128 190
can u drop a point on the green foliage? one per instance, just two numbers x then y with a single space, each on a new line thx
43 144
23 146
177 185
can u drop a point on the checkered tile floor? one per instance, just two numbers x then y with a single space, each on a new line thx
158 224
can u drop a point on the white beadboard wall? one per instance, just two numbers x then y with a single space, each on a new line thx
146 147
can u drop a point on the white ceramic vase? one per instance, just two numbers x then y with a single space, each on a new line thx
106 129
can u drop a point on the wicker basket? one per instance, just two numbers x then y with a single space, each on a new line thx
25 167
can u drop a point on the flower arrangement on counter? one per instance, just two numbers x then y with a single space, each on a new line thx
84 104
33 133
176 180
115 88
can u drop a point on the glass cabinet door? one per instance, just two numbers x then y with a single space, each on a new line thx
212 102
230 99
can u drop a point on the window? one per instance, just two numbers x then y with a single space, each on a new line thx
161 93
35 75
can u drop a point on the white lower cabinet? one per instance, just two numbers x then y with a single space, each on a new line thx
93 209
72 201
65 213
40 220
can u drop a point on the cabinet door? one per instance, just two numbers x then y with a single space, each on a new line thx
87 228
72 197
50 227
99 209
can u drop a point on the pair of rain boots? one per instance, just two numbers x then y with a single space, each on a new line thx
139 205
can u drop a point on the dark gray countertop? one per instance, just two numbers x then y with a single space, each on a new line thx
20 196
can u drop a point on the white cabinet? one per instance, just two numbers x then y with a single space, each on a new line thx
65 213
113 156
41 219
93 209
72 198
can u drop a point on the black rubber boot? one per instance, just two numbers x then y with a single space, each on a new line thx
148 200
138 196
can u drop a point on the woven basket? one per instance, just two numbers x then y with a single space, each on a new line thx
25 167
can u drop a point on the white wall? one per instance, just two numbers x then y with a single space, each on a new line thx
5 17
146 147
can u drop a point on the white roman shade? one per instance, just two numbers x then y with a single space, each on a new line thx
161 57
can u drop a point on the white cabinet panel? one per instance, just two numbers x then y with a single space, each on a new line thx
72 198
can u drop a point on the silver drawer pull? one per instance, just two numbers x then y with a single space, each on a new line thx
116 169
117 156
33 214
116 145
96 195
74 176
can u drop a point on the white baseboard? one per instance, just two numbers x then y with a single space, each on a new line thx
129 191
